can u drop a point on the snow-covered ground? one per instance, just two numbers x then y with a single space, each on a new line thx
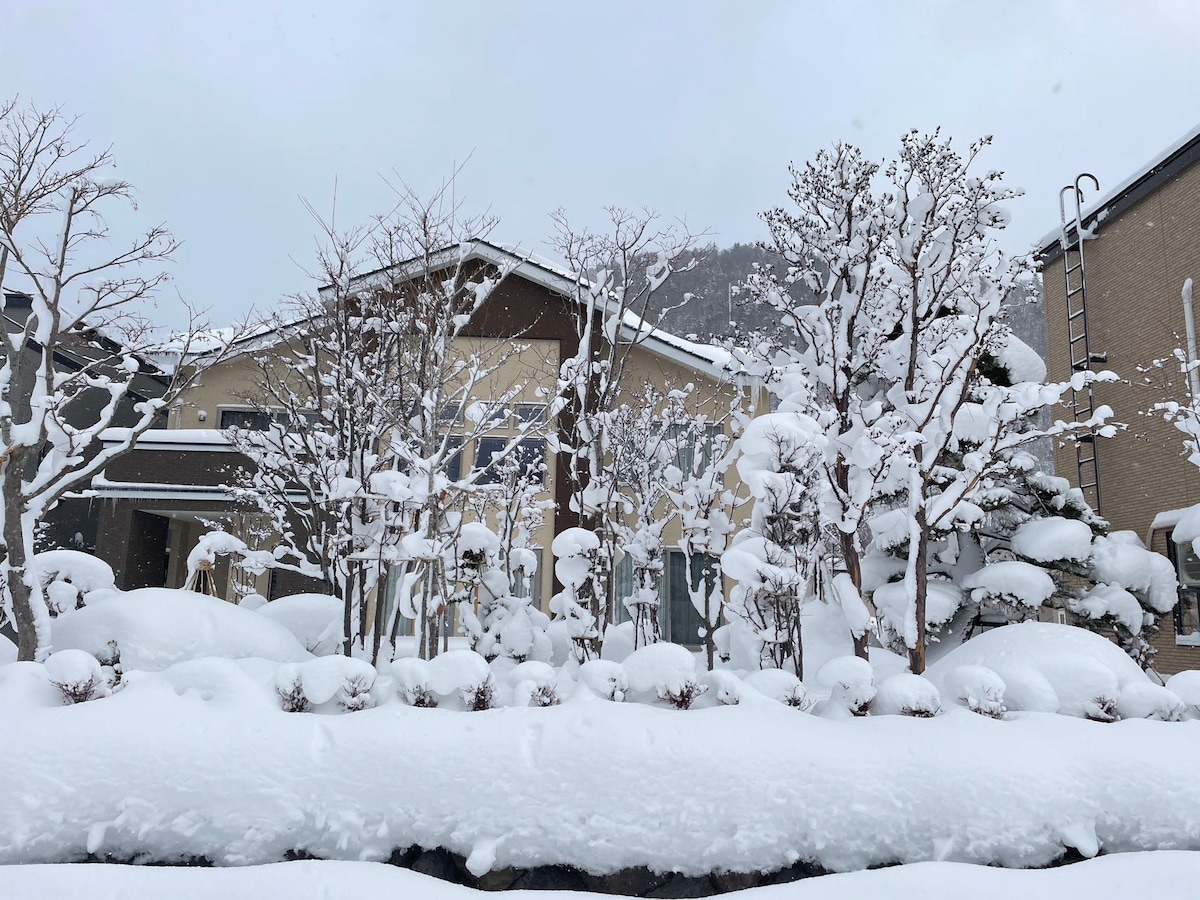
1163 876
226 739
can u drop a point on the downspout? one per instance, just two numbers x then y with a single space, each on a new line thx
1190 322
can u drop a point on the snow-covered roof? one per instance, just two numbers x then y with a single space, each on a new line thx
554 276
210 439
1180 151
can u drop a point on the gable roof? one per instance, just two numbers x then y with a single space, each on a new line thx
703 358
1168 163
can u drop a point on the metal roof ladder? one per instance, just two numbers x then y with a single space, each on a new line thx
1083 402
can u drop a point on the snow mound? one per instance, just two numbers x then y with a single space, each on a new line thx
1146 700
157 627
977 688
1084 670
780 686
1186 686
314 619
662 670
8 650
907 695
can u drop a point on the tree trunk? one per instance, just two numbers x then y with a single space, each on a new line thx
916 655
853 568
25 619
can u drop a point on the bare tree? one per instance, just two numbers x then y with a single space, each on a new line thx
71 358
370 390
618 276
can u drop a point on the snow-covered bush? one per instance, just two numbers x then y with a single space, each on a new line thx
665 671
68 576
905 694
1146 700
314 619
156 627
411 677
1186 686
723 686
781 686
605 679
328 684
977 688
851 687
534 684
462 676
77 675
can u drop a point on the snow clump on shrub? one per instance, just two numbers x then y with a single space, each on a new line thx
905 694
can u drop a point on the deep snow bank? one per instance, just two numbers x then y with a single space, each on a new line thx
1163 876
602 786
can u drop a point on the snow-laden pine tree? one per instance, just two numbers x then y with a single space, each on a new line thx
77 340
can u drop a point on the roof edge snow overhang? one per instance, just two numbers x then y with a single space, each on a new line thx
1168 164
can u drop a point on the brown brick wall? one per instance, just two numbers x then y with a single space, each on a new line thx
1136 267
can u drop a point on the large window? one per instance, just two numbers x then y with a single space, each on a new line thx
1187 611
678 619
528 458
693 446
246 419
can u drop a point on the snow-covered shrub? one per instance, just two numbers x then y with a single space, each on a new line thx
290 688
68 576
534 684
1146 700
109 657
851 687
411 676
1186 686
781 686
977 688
724 686
462 676
666 672
77 675
326 684
314 619
905 694
605 678
157 627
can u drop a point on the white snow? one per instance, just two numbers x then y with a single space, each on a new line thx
155 627
1011 580
1053 539
1163 875
314 619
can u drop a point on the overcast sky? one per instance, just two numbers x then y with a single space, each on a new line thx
224 114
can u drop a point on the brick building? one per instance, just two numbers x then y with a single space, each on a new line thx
1112 301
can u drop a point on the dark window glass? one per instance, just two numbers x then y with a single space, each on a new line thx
527 457
454 460
246 419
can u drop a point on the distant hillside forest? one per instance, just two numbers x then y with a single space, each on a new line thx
719 310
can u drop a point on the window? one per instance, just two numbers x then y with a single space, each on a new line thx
530 587
246 419
1187 610
450 412
531 414
678 619
688 441
454 460
683 622
528 457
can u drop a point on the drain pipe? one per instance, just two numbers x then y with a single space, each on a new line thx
1190 323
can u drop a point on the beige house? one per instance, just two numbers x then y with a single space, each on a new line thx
161 498
1112 301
